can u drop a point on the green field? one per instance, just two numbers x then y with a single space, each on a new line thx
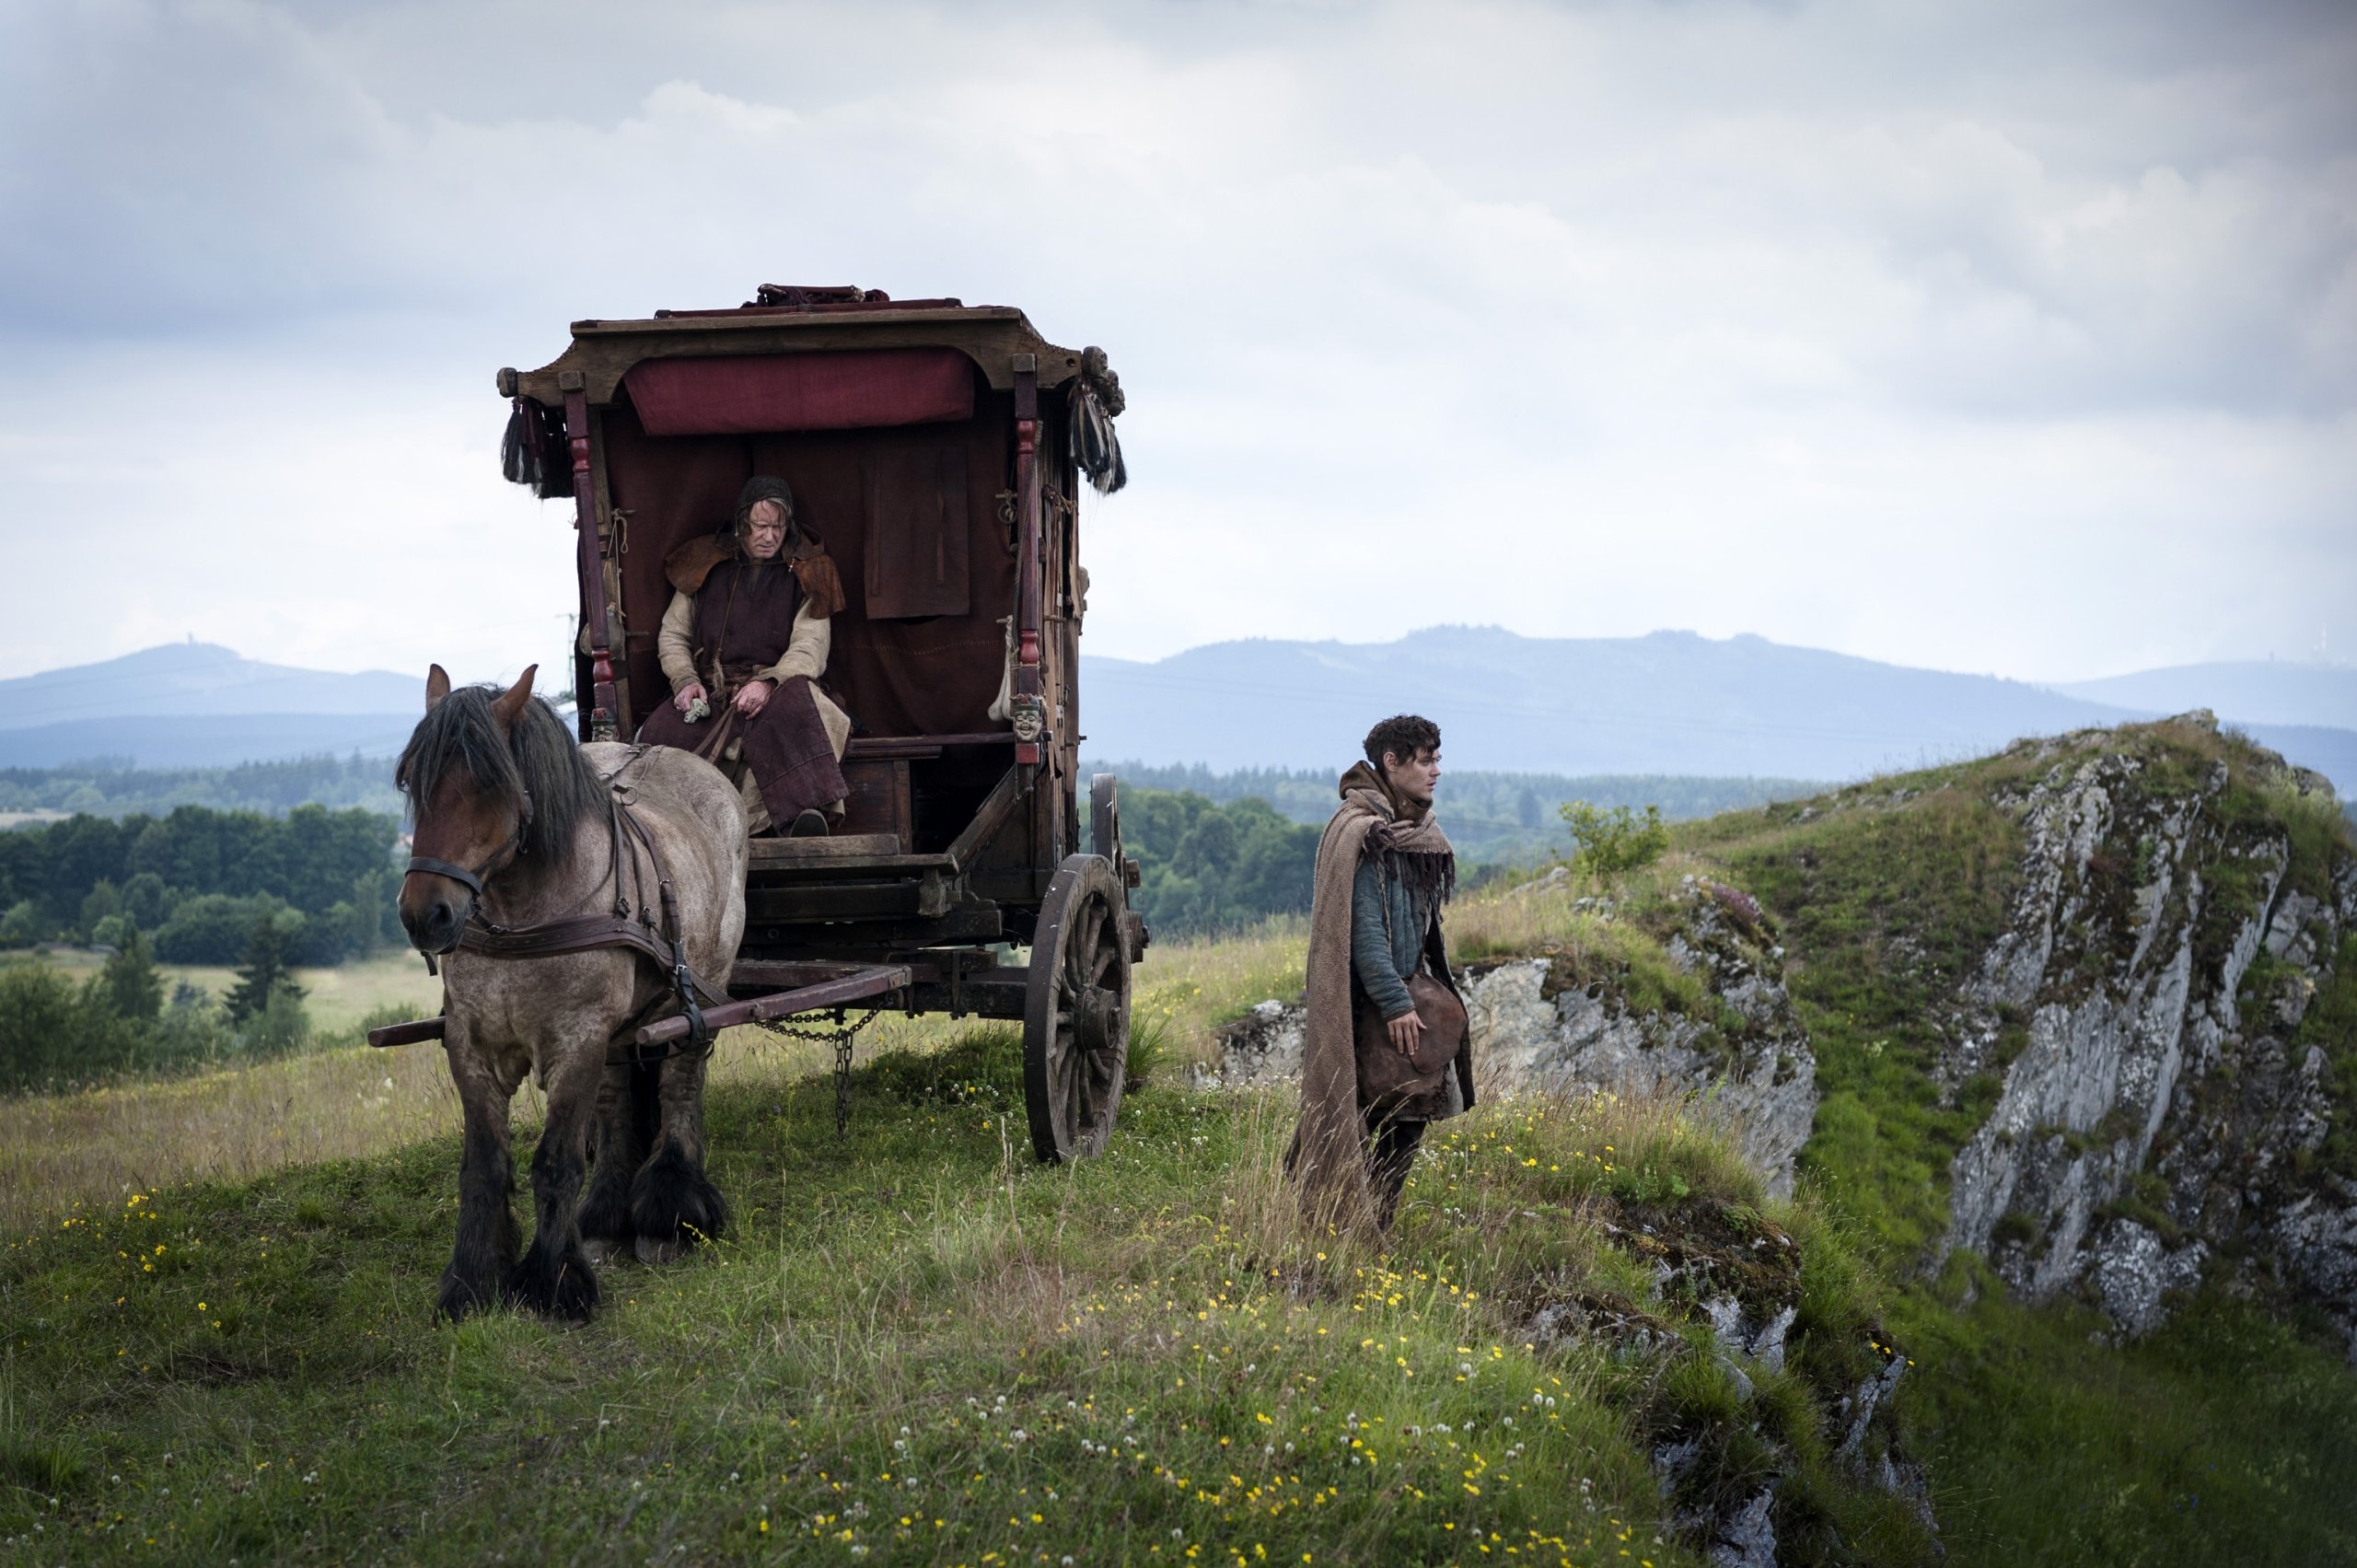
916 1345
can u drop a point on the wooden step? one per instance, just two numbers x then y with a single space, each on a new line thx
772 853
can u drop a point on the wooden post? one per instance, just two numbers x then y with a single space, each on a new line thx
598 719
1030 707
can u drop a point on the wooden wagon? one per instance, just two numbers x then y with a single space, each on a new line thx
938 451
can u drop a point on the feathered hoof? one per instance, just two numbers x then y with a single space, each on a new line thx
600 1250
459 1298
673 1205
562 1293
655 1250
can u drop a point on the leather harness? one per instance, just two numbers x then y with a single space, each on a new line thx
586 933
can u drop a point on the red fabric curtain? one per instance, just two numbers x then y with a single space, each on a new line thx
934 676
762 394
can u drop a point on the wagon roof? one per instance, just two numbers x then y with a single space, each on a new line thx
603 351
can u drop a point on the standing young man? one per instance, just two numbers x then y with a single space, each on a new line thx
1376 1066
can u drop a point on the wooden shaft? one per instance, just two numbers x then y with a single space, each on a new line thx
857 987
410 1033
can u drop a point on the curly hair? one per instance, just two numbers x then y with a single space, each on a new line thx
1402 735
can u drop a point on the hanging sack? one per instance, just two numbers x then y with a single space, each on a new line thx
1396 1083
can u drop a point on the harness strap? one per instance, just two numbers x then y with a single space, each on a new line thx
581 933
452 869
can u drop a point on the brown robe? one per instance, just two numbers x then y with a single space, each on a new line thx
1329 1158
744 617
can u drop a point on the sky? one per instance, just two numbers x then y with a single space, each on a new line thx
1997 337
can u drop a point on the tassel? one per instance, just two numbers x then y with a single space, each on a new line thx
519 449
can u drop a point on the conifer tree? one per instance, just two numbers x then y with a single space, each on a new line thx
264 971
133 987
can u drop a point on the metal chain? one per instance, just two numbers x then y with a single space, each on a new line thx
840 1038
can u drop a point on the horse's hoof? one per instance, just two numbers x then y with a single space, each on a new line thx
563 1294
459 1299
600 1249
655 1250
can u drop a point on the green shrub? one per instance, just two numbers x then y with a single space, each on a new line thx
22 925
134 989
1608 843
281 1026
54 1031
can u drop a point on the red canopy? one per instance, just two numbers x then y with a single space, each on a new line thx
758 394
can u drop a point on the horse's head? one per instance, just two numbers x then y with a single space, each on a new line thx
472 803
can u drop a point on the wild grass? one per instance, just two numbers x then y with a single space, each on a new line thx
2226 1438
914 1345
91 1147
1188 987
1885 898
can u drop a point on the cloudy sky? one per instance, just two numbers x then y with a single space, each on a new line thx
1998 336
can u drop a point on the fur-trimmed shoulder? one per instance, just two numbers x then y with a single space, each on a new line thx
822 586
686 567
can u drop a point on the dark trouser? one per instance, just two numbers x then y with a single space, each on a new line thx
1390 1153
785 746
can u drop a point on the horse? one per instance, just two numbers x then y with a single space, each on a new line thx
518 827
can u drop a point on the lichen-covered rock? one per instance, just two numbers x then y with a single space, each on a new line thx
1727 1287
1262 1047
2159 1111
1533 1025
1748 1065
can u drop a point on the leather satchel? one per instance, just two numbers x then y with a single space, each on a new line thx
1393 1082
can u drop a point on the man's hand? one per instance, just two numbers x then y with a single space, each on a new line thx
752 696
1407 1032
687 696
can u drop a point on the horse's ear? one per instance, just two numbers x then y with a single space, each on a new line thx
509 705
437 685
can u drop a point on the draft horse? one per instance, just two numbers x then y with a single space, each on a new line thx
519 832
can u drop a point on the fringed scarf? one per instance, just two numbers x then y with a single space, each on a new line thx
1406 837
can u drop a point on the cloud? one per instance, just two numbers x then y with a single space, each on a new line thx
2002 337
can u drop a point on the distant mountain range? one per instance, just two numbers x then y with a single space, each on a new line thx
1668 703
199 706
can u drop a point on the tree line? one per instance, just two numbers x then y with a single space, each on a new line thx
197 882
1205 866
116 787
1493 818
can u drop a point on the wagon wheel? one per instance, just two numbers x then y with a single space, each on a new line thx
1076 1013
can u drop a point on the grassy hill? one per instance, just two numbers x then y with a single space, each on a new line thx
915 1345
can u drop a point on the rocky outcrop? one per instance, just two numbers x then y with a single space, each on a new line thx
2158 1112
1745 1058
1546 1023
1725 1293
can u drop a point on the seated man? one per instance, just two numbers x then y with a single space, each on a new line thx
743 644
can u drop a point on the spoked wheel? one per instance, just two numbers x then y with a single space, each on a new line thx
1076 1013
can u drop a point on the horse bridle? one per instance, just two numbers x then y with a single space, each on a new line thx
472 879
582 934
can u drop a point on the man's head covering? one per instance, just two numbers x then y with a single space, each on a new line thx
764 487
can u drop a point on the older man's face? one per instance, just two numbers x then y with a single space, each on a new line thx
765 530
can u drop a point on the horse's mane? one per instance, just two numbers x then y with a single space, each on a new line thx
542 757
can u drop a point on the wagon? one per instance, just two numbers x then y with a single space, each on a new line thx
938 451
